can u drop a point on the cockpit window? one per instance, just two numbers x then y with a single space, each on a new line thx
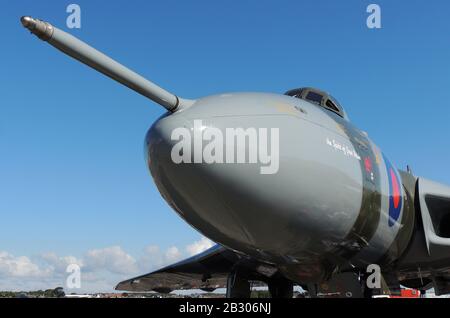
295 92
331 105
314 97
318 97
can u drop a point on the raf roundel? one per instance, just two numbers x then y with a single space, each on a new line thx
395 193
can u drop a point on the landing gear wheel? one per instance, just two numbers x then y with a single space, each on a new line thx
281 288
423 293
238 286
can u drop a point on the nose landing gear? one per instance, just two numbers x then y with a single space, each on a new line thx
281 288
238 286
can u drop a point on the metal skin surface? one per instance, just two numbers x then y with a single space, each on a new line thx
321 210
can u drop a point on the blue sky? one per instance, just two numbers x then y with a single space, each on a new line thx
72 173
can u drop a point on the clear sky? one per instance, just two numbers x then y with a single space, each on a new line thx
73 180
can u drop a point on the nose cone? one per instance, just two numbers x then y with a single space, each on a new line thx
300 206
204 195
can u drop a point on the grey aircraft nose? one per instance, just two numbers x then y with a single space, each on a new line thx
196 191
308 202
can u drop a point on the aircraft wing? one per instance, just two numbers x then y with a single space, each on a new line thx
207 270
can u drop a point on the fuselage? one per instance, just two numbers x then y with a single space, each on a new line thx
334 199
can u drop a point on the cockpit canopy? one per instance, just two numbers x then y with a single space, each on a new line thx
318 97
